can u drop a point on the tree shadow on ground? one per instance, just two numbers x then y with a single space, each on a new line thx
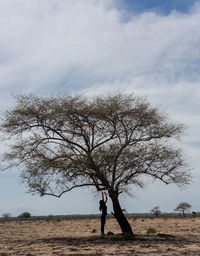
85 246
136 239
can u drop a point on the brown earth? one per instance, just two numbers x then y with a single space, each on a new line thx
175 236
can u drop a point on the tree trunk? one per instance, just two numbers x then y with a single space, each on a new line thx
119 215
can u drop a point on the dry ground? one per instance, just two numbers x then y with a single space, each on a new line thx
78 237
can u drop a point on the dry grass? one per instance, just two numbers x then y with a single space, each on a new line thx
78 237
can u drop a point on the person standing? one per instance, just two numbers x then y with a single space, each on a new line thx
103 209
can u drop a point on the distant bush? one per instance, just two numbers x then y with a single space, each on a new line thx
50 217
6 216
24 215
151 230
166 215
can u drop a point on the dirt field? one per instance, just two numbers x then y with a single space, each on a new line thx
81 237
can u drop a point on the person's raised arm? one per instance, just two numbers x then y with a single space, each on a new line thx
106 198
102 195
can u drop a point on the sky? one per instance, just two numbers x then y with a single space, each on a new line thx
146 47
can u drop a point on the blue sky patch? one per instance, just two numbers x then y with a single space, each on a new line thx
162 6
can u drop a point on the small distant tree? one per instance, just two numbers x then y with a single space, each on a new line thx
156 210
6 216
183 207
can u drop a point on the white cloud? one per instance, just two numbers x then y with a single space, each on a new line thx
48 46
44 43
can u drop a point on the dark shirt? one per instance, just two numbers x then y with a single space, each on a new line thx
104 210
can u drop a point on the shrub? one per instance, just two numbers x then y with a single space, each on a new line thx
6 216
24 215
127 236
49 217
151 230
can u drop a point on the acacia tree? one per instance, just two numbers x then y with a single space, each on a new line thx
107 142
156 210
183 207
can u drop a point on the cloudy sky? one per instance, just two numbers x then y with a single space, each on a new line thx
148 47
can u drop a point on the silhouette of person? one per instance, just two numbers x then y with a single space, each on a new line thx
103 209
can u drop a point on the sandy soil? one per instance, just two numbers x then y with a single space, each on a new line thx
81 237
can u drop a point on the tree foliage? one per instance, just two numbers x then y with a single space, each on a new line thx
109 142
